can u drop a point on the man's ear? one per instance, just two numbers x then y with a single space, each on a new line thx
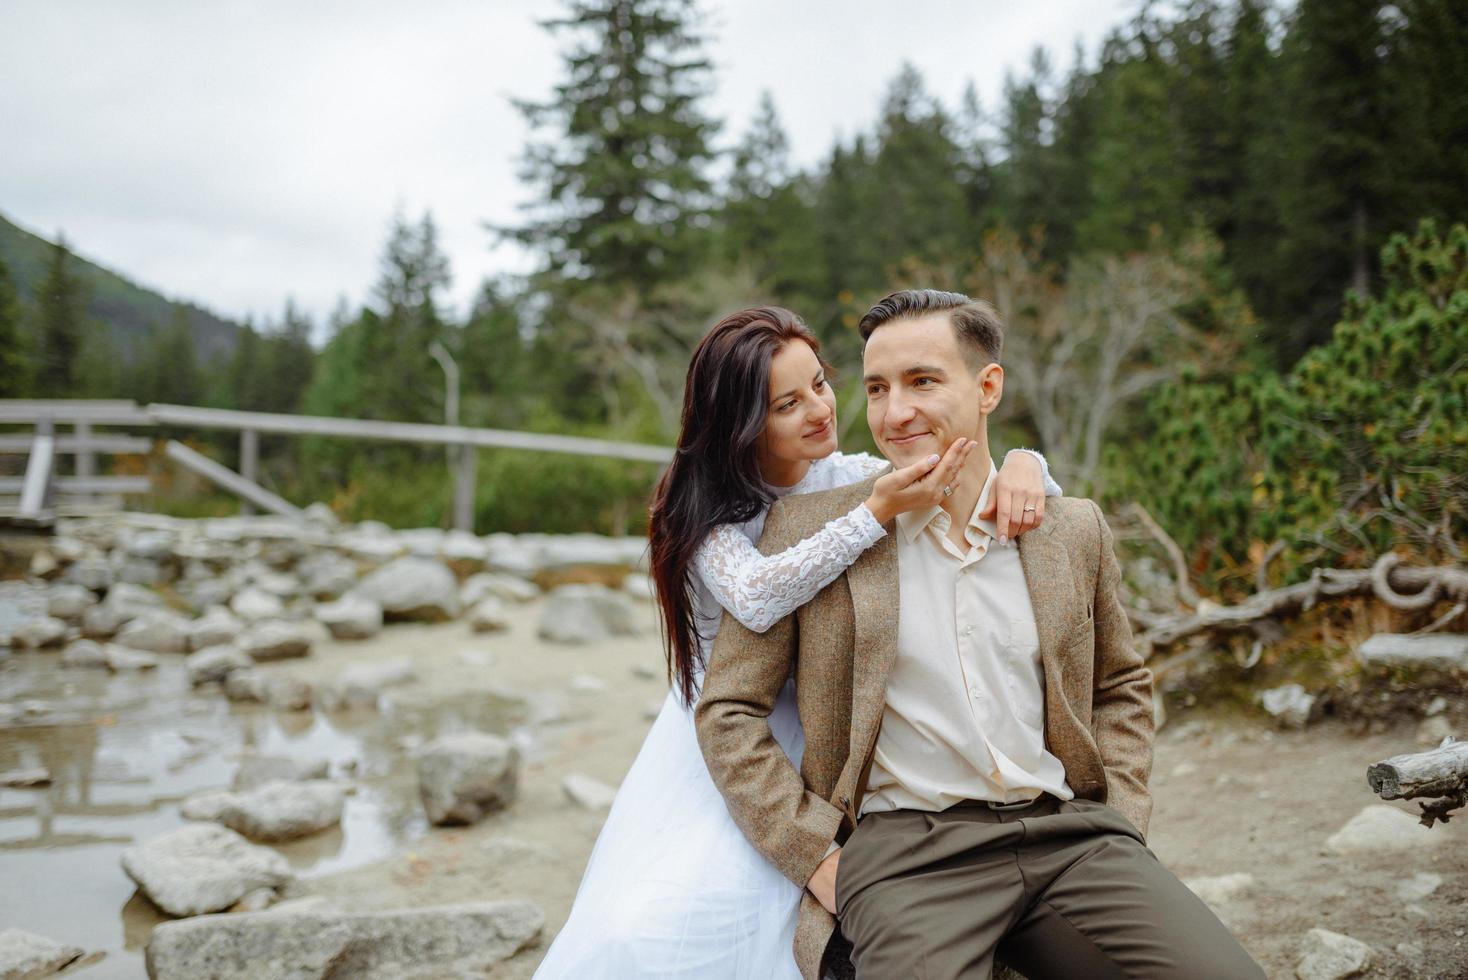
991 387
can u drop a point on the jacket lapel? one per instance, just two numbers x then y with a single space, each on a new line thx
1058 606
872 580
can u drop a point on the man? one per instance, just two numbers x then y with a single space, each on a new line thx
978 724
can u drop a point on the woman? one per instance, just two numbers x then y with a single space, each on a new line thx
673 889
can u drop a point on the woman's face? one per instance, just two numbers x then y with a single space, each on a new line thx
801 420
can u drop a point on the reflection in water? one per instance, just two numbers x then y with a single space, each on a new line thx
124 749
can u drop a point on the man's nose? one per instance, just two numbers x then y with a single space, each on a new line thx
900 410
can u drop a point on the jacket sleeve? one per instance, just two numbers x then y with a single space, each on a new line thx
1121 713
791 826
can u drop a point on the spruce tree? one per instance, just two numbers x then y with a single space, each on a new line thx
61 323
622 179
14 366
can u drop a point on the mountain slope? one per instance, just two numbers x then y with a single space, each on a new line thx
128 309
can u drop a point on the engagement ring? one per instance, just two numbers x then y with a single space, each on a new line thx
948 491
1029 508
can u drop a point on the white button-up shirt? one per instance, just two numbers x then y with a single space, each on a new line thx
965 712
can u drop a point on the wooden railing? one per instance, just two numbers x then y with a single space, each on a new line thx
41 486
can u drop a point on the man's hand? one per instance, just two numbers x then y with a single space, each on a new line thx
1017 502
822 884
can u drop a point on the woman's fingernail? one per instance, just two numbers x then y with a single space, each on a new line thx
1004 540
933 459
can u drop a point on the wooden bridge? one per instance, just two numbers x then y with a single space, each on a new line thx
44 492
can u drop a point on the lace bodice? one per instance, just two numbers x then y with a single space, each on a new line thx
760 590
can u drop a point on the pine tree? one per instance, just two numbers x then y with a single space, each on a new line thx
169 371
14 366
61 323
622 180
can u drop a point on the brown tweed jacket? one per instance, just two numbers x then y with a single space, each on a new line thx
841 645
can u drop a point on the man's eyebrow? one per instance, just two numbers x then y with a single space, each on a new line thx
924 369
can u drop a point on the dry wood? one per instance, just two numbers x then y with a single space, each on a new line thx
1438 776
1185 588
1397 586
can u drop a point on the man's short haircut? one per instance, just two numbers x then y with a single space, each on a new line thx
976 324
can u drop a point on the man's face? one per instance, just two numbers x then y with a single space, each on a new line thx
922 393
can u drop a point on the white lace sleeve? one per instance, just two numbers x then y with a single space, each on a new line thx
760 590
1052 489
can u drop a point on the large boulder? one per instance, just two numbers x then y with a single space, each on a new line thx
586 614
93 572
84 653
275 640
282 810
129 600
1326 955
216 663
464 776
202 868
156 630
352 617
315 943
25 955
488 616
1381 828
414 588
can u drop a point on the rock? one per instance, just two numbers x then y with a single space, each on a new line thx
28 778
156 630
68 601
1327 955
1222 892
651 709
279 811
202 867
27 956
1427 651
37 632
44 565
591 794
120 658
216 663
1419 886
84 653
256 901
586 614
352 617
1436 706
216 627
245 685
327 575
507 587
208 805
570 550
101 622
360 685
131 600
424 542
414 588
275 640
462 777
488 616
587 684
288 694
321 514
95 573
206 593
140 571
257 770
1379 828
639 586
290 942
279 584
512 556
253 603
1290 704
1433 729
151 545
463 551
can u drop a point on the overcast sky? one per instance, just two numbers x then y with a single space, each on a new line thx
237 153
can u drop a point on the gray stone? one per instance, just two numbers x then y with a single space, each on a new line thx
414 588
254 603
130 600
1433 729
216 663
206 592
285 693
289 942
282 810
245 685
361 685
257 770
28 778
275 640
1382 828
84 653
586 614
483 585
279 584
140 571
156 630
1290 704
1326 955
1427 651
464 776
202 867
588 793
27 956
37 632
68 601
1421 885
463 551
121 658
488 616
93 572
208 805
639 586
352 617
101 622
322 514
327 575
217 626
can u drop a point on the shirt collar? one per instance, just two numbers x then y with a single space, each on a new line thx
913 522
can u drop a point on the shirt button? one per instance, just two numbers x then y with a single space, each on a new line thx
976 693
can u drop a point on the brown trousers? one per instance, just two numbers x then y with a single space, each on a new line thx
1056 889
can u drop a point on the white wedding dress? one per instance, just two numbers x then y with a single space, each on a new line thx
673 890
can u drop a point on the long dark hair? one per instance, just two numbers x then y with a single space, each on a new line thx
714 477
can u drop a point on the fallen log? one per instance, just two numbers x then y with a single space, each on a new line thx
1397 586
1439 777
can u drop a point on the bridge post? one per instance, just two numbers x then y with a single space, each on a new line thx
464 488
249 463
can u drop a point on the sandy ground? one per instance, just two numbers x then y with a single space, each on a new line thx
1231 796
